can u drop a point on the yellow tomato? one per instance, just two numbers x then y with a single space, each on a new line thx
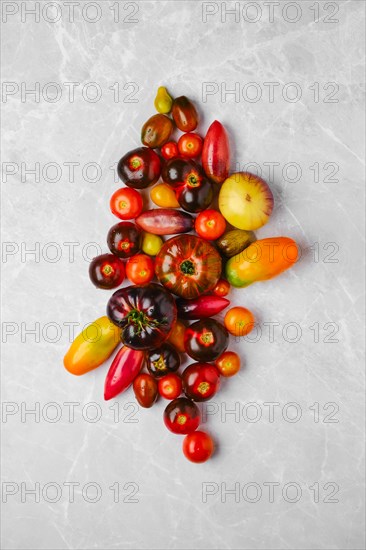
151 244
163 195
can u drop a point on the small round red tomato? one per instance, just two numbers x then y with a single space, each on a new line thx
190 145
126 203
182 416
140 269
222 288
145 389
210 224
228 363
106 271
201 381
205 340
170 150
198 447
170 386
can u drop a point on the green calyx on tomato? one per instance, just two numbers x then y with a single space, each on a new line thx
193 180
187 267
142 322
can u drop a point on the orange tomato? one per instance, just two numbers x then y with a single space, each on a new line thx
164 196
239 321
228 363
176 337
140 269
222 288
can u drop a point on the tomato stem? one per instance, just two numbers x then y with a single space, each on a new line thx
187 267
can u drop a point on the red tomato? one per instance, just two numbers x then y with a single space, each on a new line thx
140 269
198 447
126 203
222 288
170 386
170 150
210 224
190 145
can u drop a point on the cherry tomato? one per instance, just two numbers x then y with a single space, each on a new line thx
222 288
205 340
170 150
198 447
176 337
124 239
140 269
190 145
182 416
170 386
164 196
151 244
163 361
126 203
239 321
228 363
145 389
210 224
106 271
200 381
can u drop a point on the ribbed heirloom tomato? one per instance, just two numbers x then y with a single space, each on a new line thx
126 203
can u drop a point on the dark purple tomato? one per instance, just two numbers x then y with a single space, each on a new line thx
106 271
193 190
162 361
139 168
124 239
182 416
206 340
201 381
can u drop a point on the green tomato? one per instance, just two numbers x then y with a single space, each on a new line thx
151 244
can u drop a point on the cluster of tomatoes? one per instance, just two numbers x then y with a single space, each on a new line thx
153 323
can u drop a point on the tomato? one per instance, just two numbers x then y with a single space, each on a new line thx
163 102
182 416
124 239
126 203
239 321
203 306
140 269
163 361
194 191
216 153
106 271
228 363
146 314
151 244
222 288
205 340
198 447
210 224
234 241
201 381
170 386
157 130
190 145
139 168
184 114
125 366
165 221
163 195
176 337
146 390
188 266
170 150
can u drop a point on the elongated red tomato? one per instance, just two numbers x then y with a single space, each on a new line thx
124 368
216 153
203 306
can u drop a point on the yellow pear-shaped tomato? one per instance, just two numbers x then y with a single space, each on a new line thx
163 102
245 201
163 195
151 244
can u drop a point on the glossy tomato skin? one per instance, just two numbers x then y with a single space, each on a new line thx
222 288
162 361
184 114
170 386
164 196
239 321
124 239
157 131
194 191
203 306
190 145
210 224
182 416
198 447
146 390
228 363
170 150
201 381
126 203
146 315
106 271
139 168
205 340
140 269
188 266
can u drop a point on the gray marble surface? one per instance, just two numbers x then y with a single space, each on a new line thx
288 471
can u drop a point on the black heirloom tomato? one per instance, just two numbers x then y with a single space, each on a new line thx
124 239
146 315
205 340
163 361
188 266
139 168
193 190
